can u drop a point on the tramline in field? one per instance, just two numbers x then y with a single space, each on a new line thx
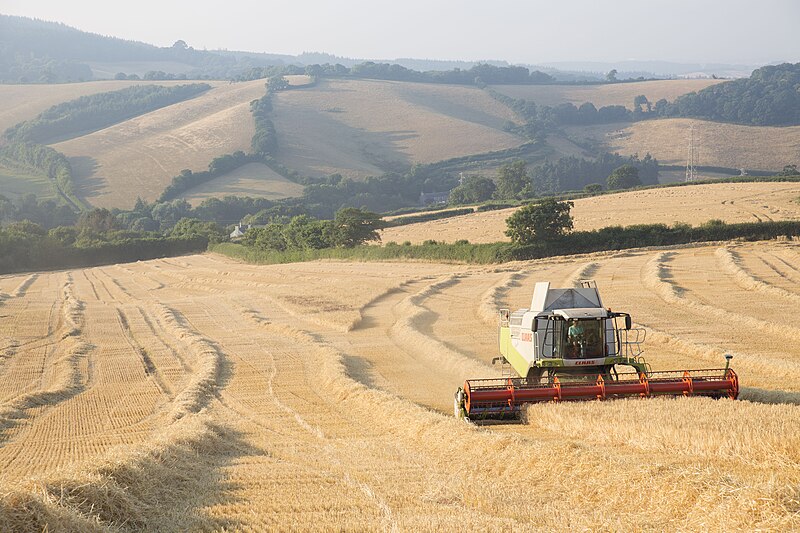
568 347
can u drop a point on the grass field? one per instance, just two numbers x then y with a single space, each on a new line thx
363 128
730 202
603 95
717 144
15 183
197 393
254 179
24 102
139 157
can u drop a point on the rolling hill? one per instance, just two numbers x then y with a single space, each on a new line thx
695 204
140 156
364 127
24 102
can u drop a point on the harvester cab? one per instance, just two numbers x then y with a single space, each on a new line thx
567 347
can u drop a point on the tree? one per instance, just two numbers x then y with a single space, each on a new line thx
277 83
593 188
612 75
97 221
546 221
624 177
474 189
192 227
352 227
789 170
513 181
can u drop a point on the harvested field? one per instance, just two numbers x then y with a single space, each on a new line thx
607 94
254 179
199 393
139 157
362 128
717 143
695 204
24 102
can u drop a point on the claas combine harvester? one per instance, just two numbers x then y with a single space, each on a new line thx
568 347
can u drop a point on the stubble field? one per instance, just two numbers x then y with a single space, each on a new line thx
198 393
695 204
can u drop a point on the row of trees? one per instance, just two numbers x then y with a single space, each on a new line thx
480 74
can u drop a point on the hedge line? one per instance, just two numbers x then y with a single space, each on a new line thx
606 239
25 254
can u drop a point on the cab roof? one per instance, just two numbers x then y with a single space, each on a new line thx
581 312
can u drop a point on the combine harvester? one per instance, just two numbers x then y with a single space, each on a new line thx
568 347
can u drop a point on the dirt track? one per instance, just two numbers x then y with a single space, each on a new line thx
203 394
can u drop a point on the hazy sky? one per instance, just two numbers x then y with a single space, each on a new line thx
519 31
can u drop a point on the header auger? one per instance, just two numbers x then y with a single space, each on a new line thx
568 347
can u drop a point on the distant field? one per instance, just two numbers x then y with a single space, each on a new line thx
362 127
14 184
253 179
718 144
102 70
24 102
603 95
140 156
731 202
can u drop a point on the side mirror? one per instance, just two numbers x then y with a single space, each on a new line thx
628 322
535 325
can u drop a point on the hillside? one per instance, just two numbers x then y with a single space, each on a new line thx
24 102
139 157
201 394
606 94
696 204
365 127
718 144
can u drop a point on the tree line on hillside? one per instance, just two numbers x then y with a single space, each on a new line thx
516 182
480 74
46 161
769 97
96 111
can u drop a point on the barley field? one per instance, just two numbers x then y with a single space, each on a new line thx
607 94
139 157
196 393
361 128
695 204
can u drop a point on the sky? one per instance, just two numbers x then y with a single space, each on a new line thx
519 31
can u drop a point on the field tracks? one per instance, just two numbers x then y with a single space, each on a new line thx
205 379
61 376
657 276
493 299
407 332
731 263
